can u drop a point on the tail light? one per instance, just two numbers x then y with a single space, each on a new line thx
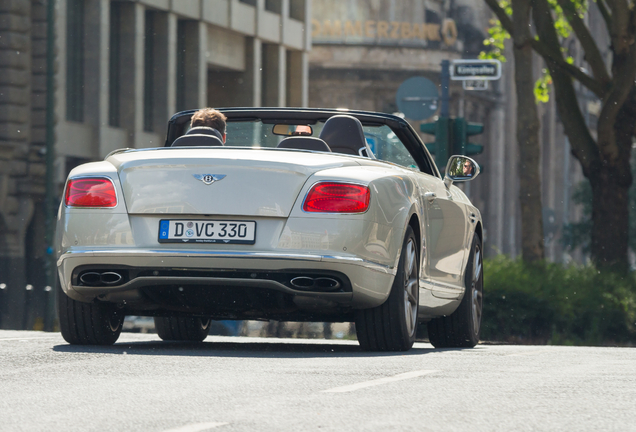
90 192
337 198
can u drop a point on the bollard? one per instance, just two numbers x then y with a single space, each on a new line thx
28 300
3 289
49 309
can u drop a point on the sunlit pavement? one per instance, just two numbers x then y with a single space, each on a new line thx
241 383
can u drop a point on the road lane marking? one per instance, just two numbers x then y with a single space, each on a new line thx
27 338
196 427
376 382
528 353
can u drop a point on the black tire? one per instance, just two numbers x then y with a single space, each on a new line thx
88 323
192 329
392 325
461 329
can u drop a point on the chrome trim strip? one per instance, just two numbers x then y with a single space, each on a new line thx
432 285
234 254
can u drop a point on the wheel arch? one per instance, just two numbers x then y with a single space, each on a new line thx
479 232
414 223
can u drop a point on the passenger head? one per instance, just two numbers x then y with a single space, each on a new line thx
209 117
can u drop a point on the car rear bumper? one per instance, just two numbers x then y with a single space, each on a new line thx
364 283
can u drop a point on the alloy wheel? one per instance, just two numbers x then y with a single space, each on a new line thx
476 289
411 286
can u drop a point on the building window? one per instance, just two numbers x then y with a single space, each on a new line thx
249 2
181 65
275 6
297 9
114 68
75 60
149 61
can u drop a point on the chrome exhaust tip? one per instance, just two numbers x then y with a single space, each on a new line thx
110 278
90 278
326 283
307 283
302 282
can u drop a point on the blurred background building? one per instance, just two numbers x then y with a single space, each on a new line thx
122 68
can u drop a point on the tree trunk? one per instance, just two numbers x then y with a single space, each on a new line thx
605 163
532 247
610 191
610 220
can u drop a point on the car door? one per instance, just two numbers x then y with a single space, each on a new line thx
445 227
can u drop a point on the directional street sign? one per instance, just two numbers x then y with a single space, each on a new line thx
475 69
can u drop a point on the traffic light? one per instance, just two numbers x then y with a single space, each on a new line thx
440 148
461 130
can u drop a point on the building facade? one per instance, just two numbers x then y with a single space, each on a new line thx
122 69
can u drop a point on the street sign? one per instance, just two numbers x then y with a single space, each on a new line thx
417 98
475 84
475 69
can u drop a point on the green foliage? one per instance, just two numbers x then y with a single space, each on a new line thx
561 24
496 42
541 87
549 303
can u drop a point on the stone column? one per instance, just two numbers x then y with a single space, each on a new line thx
132 61
274 74
249 85
195 65
297 78
165 70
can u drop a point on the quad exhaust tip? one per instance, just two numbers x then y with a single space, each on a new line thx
307 283
100 279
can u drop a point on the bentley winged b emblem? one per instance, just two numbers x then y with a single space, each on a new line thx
208 179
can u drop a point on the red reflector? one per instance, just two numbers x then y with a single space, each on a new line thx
90 192
337 198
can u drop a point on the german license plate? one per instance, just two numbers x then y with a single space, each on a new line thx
207 231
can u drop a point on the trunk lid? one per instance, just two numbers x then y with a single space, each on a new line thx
255 182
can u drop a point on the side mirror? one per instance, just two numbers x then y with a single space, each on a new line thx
460 168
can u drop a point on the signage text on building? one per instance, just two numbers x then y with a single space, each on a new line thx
328 30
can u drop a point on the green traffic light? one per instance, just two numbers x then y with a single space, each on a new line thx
439 148
474 129
461 130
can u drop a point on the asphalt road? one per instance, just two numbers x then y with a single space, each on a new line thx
248 384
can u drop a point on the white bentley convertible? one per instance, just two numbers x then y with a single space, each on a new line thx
302 215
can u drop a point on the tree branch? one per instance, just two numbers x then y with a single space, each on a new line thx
555 57
621 21
543 50
605 13
592 53
504 19
583 145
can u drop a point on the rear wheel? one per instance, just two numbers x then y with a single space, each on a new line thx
88 323
392 325
461 329
191 329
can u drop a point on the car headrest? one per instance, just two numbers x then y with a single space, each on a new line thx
205 130
344 134
304 143
200 136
